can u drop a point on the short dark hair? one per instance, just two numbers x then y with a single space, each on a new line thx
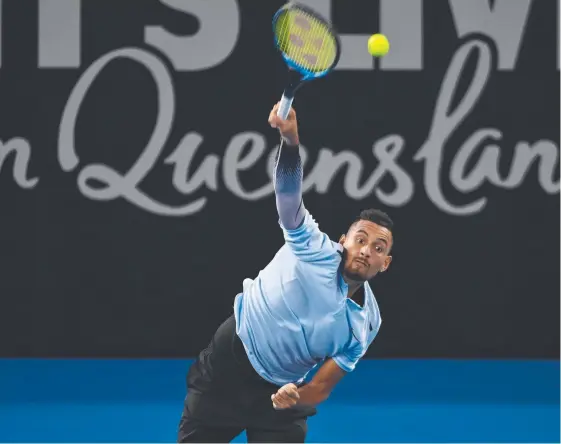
376 216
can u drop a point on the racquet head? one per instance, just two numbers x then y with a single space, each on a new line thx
307 42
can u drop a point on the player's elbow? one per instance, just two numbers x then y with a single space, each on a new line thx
290 209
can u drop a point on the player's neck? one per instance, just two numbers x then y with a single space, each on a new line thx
356 293
353 287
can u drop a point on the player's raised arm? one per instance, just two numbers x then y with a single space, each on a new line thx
288 171
301 232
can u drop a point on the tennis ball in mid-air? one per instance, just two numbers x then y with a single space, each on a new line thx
378 45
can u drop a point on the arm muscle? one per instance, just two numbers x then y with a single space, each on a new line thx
321 385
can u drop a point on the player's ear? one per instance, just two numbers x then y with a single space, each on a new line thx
387 263
342 239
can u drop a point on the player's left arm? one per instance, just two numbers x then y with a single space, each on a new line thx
313 393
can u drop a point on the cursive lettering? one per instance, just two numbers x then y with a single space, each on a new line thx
22 153
474 162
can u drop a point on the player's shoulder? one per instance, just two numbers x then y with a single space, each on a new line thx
310 225
310 243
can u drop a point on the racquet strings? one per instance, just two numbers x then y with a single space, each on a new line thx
307 41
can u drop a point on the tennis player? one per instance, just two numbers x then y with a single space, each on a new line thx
311 305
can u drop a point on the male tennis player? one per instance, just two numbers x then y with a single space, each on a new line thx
311 303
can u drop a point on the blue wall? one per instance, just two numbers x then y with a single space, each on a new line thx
382 401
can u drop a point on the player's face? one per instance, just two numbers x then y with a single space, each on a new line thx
367 247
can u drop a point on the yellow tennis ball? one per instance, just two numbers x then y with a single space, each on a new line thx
378 45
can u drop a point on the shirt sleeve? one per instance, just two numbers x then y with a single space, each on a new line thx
349 357
310 244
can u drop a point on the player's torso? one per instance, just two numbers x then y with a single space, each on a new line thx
304 312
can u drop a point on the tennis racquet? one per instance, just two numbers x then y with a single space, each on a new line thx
309 45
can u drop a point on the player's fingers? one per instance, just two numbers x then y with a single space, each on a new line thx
272 116
288 398
284 405
282 398
291 391
284 127
275 121
274 111
290 387
278 404
293 394
287 394
291 401
291 114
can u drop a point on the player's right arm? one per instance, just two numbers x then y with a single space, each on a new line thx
313 393
301 232
288 175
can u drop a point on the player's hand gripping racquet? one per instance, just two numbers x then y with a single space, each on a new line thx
309 45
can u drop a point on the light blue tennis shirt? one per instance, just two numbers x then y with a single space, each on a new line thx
296 312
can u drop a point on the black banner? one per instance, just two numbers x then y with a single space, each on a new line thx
136 161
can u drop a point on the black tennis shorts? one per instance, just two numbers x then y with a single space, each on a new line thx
226 396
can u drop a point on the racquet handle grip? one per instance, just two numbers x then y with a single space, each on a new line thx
284 107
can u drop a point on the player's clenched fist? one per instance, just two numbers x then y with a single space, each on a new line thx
288 128
286 397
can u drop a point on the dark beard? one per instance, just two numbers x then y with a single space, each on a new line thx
354 277
349 276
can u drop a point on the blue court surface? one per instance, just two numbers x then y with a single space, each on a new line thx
382 401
